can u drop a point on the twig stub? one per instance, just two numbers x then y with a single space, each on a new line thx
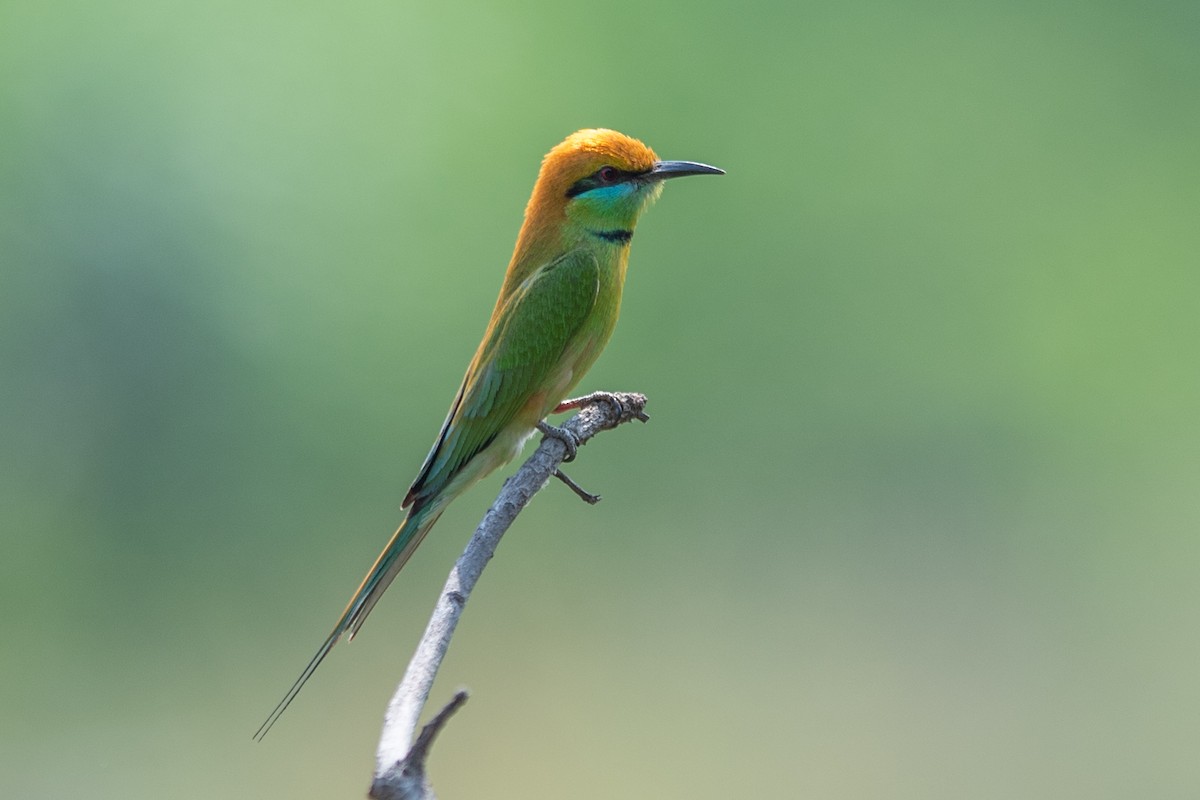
406 779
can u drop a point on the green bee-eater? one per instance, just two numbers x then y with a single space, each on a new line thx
556 310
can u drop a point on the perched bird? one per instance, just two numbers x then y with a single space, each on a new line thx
555 313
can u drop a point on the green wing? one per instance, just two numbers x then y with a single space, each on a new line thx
537 323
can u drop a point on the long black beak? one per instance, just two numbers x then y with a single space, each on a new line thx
677 169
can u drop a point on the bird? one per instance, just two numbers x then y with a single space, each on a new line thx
556 310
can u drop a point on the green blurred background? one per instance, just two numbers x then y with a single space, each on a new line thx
916 515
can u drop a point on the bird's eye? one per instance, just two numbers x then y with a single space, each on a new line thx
608 175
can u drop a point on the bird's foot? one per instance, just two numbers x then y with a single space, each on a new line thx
619 406
584 495
569 440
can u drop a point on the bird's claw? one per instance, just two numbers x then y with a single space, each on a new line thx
570 441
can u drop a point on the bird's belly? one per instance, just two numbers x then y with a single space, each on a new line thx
579 356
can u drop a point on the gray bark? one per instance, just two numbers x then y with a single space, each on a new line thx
400 760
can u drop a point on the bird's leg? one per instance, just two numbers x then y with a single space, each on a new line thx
563 435
588 399
584 495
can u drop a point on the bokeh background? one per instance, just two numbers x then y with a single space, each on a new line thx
917 513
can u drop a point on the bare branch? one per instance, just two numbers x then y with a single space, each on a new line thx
399 767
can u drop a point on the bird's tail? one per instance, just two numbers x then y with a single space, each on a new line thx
404 541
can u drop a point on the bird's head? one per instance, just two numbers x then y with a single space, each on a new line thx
601 180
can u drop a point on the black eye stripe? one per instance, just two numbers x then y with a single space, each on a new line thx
594 181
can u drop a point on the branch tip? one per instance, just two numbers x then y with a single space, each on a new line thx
584 494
